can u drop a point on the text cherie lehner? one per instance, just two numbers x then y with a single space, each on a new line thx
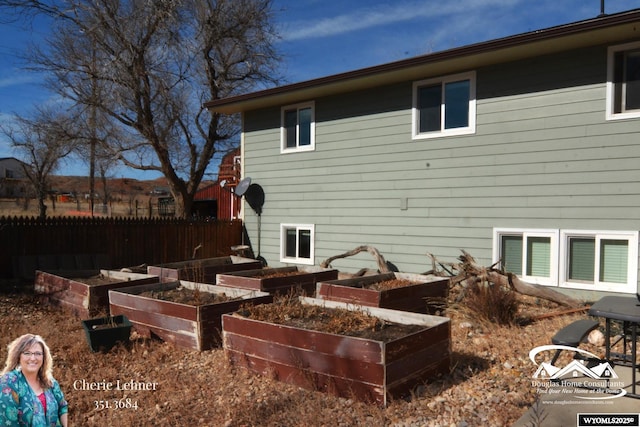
117 385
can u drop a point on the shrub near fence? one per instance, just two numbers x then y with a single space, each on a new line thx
125 241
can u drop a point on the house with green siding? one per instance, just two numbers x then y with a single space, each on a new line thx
523 150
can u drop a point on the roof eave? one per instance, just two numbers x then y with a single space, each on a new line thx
600 30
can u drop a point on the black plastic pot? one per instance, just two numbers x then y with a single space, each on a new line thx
104 332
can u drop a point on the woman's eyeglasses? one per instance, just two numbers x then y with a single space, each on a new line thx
30 353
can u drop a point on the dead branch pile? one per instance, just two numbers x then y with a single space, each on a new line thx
467 272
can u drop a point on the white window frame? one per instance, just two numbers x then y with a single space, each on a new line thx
610 108
632 263
283 241
283 130
415 122
552 234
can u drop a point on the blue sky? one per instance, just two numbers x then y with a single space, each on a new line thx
325 37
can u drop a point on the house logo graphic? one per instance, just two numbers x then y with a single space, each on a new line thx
585 372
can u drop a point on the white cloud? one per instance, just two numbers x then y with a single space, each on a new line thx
16 80
379 15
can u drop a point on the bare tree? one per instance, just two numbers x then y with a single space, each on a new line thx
150 65
43 142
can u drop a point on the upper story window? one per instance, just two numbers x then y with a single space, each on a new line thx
297 128
444 106
8 173
297 243
623 81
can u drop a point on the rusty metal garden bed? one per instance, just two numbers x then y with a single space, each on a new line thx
202 270
84 292
419 294
186 325
278 280
365 369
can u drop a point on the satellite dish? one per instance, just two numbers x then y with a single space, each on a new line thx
255 197
223 183
242 186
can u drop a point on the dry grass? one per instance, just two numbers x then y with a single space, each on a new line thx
492 303
489 382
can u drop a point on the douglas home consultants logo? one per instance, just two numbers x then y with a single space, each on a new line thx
585 377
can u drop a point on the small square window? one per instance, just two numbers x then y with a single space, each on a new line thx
297 243
444 106
298 128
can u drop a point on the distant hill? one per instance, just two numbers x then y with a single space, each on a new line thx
123 186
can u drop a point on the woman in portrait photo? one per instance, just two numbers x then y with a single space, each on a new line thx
29 395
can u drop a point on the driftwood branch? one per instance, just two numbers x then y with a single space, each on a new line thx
382 264
469 270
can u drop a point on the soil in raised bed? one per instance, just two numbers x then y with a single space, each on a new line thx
388 284
188 296
96 280
292 312
281 274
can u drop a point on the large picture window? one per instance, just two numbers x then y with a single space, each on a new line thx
298 128
623 81
444 106
297 243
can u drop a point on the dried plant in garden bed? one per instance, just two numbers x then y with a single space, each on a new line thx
291 312
188 296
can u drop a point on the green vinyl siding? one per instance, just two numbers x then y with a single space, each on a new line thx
543 157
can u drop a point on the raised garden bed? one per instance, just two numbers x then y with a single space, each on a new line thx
202 270
278 280
384 360
194 323
417 293
84 292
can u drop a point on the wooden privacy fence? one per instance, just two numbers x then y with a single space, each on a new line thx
118 242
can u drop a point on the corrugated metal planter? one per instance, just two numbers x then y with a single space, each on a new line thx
84 292
364 369
278 280
196 327
104 333
202 270
426 294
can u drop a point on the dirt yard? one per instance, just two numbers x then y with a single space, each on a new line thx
154 383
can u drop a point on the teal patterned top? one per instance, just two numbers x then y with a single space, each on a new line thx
19 405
